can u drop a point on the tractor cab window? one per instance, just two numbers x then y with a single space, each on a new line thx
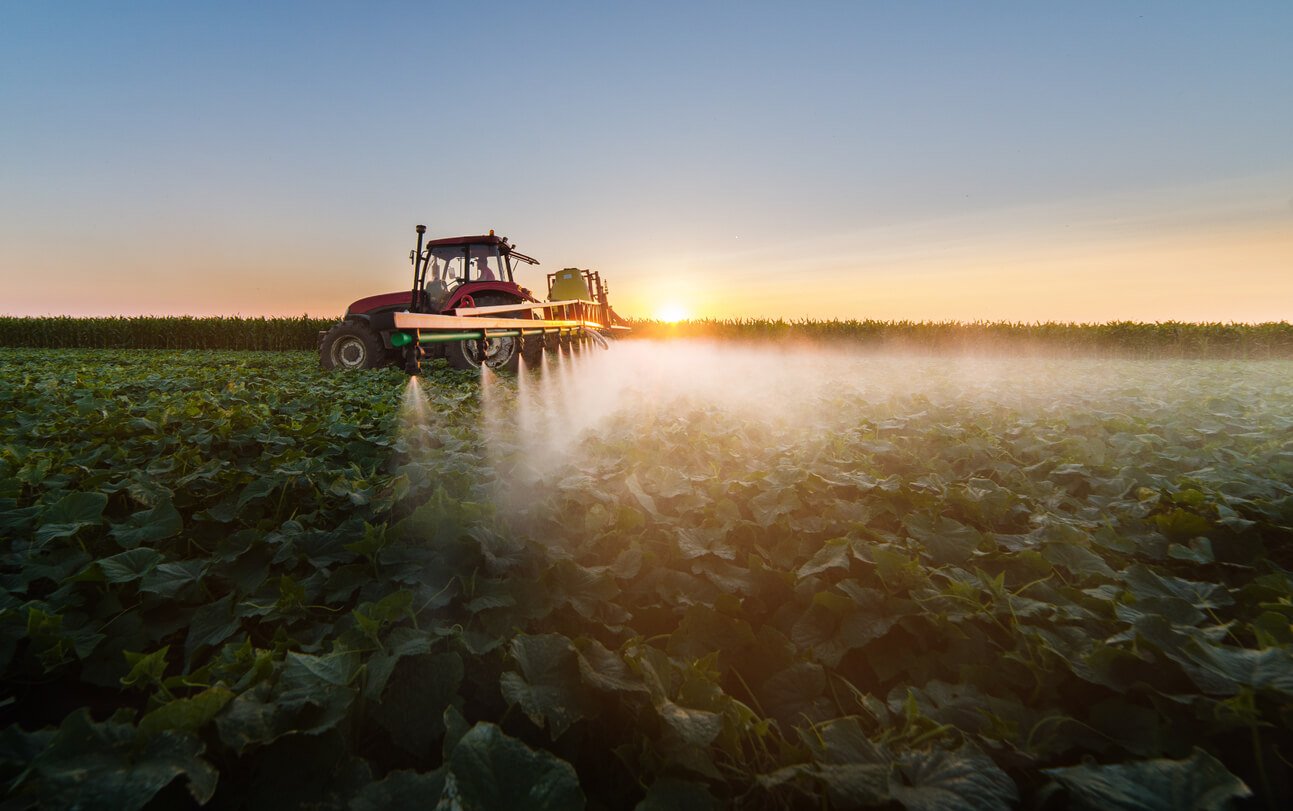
448 265
486 264
446 268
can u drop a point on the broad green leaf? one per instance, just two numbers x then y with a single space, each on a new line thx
145 669
944 539
129 566
1077 559
548 686
336 668
1220 669
251 718
1199 783
963 705
835 554
1199 550
103 766
1267 669
212 624
943 780
1172 609
489 770
187 714
399 643
258 489
604 669
149 526
401 791
635 488
313 692
15 520
76 508
373 616
694 727
70 514
835 624
168 579
1144 582
1182 525
774 504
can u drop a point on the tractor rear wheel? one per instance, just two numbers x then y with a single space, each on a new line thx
351 345
501 354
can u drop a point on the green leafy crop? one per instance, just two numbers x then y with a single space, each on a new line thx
231 580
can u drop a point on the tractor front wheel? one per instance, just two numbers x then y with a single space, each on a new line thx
351 345
500 353
503 354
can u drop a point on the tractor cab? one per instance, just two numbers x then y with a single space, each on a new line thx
449 268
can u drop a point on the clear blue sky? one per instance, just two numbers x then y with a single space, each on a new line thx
915 160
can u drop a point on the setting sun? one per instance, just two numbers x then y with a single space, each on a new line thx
671 314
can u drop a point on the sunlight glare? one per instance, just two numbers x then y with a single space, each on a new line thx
671 314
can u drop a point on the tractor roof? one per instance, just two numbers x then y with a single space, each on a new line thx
484 239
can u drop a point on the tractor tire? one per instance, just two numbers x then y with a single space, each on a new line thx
501 354
532 351
352 345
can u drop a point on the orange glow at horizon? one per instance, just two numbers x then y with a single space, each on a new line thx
1237 272
1226 275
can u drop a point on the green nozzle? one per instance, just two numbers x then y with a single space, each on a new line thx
401 339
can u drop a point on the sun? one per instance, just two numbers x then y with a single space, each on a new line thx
671 314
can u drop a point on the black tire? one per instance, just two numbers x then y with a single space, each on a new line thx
501 354
352 345
532 351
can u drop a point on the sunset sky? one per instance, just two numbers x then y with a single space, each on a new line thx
1086 161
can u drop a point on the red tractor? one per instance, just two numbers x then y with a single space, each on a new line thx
463 289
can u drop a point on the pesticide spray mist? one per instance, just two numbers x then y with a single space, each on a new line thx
681 413
594 411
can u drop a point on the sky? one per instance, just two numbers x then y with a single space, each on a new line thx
1070 161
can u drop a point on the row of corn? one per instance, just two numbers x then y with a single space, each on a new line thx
1118 338
163 332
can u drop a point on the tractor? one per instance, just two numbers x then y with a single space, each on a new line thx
466 306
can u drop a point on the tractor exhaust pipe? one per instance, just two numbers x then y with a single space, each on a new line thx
417 259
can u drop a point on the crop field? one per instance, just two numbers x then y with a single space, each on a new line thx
1117 339
676 575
